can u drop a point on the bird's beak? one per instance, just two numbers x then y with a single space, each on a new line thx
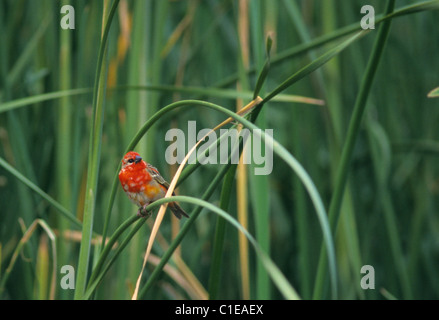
137 159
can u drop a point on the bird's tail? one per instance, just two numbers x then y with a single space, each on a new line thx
177 210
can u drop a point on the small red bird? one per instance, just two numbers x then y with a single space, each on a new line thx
143 184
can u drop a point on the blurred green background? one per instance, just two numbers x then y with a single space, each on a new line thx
160 52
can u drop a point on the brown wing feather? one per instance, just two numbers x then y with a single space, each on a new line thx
175 208
157 177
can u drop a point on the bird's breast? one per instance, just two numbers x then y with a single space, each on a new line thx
134 180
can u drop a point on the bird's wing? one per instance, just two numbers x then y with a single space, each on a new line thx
157 177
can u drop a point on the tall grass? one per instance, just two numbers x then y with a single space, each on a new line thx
354 179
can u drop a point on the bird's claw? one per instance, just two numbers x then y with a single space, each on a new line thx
143 213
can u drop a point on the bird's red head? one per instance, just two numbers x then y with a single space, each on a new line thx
131 159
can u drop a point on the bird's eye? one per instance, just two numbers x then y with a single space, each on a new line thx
130 160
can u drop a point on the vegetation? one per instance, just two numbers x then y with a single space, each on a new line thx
355 174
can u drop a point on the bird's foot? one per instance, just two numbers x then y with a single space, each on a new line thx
143 213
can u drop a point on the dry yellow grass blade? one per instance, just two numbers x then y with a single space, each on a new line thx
241 179
181 27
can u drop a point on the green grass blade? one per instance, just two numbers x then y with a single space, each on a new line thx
22 102
354 128
109 245
434 93
264 72
276 275
313 66
66 213
209 92
28 53
97 279
218 244
381 156
94 157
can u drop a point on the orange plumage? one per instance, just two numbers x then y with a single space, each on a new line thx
143 184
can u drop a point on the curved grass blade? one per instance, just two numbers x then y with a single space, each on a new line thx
276 275
277 148
313 65
265 69
66 213
280 151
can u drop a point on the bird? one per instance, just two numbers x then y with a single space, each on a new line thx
143 184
